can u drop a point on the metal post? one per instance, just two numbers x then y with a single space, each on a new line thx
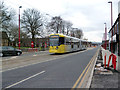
111 27
19 26
105 36
119 35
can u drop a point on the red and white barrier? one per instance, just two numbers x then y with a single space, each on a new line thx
113 56
105 60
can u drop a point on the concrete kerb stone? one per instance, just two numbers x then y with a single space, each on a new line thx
35 52
92 66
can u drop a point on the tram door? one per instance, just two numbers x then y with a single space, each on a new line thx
72 44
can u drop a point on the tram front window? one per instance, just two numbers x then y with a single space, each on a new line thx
54 41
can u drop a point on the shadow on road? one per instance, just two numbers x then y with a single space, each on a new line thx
66 52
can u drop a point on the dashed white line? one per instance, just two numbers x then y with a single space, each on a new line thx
25 79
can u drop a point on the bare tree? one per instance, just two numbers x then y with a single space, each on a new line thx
72 32
68 26
49 30
6 17
56 23
75 32
32 22
14 33
13 36
78 33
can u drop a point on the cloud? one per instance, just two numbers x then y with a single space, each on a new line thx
94 36
89 15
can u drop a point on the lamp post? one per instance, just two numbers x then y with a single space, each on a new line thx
111 14
19 26
111 28
105 36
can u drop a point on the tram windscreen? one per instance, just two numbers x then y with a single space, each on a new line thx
54 40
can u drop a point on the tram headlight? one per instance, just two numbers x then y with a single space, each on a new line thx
56 47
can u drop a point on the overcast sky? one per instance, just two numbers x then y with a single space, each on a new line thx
89 15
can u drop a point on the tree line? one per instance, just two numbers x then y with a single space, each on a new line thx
34 24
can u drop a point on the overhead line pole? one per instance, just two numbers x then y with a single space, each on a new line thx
19 26
111 27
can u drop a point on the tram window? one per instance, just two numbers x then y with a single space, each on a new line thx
54 41
61 40
67 41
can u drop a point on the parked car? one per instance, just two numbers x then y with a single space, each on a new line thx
8 50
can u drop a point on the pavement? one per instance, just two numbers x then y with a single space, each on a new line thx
105 78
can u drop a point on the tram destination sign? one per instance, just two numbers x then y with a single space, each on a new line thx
54 36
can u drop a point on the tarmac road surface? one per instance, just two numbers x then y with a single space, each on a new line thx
59 73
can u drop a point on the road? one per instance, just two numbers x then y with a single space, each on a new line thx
63 71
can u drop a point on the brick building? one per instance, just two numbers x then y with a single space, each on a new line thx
27 42
114 35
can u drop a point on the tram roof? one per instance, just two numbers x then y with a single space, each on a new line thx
62 35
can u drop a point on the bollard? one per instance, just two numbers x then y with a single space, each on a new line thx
105 60
109 60
113 61
36 49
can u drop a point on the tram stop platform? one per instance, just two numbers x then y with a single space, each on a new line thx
105 78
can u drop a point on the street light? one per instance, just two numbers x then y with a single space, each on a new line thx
105 36
111 27
111 14
19 26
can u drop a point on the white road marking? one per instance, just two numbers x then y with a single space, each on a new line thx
14 57
34 55
25 79
10 58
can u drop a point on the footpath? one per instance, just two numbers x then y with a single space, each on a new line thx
105 78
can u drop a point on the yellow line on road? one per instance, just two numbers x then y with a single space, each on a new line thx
81 74
86 72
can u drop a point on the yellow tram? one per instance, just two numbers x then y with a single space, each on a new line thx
60 43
